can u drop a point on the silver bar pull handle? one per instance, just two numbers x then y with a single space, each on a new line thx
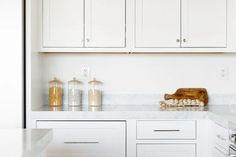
176 130
81 142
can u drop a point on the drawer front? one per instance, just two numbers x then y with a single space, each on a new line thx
221 136
166 150
219 153
166 130
86 139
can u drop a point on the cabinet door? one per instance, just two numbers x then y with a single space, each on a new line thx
86 138
166 150
63 23
157 23
105 23
204 23
218 153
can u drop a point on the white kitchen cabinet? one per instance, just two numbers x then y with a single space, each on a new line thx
105 23
166 150
86 138
84 24
157 23
218 153
220 146
204 23
62 23
180 24
221 137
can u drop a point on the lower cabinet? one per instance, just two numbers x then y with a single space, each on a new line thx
86 138
166 150
220 141
125 138
218 153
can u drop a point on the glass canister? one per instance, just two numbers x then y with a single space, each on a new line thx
74 93
95 93
55 93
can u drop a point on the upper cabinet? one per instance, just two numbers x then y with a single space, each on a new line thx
84 24
138 25
63 23
105 23
180 23
157 23
204 23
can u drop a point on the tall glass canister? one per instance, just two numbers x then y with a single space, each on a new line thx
55 93
95 93
74 93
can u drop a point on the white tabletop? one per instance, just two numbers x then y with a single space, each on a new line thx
24 142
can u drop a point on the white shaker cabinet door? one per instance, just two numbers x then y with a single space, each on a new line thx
166 150
63 23
86 138
105 23
157 23
204 23
218 153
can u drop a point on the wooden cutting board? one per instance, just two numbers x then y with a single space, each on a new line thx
189 93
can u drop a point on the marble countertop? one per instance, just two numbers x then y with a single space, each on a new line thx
222 114
24 142
114 112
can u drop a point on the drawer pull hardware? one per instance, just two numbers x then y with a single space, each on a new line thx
220 137
81 142
166 130
87 40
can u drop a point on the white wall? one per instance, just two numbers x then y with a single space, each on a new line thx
11 63
147 73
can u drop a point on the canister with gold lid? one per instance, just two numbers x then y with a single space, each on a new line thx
55 92
74 93
95 93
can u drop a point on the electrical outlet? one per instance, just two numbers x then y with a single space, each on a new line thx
224 73
85 72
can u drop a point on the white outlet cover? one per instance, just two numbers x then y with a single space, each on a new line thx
85 72
224 73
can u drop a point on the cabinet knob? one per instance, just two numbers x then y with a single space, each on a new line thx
177 40
87 40
184 40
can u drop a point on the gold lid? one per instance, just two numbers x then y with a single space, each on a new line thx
94 81
55 80
74 81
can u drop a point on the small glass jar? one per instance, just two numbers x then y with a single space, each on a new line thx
95 93
55 93
74 93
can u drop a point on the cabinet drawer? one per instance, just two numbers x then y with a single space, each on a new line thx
166 150
221 137
166 130
86 138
